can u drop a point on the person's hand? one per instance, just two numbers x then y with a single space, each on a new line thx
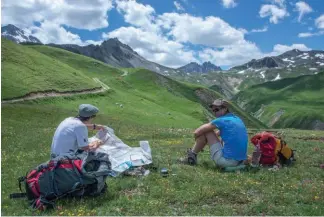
100 127
95 144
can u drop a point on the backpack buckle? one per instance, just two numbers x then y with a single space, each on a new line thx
20 180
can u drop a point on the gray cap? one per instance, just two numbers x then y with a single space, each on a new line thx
87 110
220 103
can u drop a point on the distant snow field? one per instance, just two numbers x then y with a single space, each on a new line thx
241 72
288 60
313 69
262 74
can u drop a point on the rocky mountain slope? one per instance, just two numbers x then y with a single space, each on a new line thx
195 68
116 54
290 64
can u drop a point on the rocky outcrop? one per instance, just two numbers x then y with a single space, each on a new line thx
194 67
266 62
318 125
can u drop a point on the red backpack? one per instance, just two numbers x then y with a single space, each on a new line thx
267 143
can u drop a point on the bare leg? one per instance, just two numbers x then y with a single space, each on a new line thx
207 138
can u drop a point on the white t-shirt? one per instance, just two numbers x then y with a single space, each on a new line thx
71 134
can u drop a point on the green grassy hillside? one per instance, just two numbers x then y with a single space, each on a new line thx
150 95
300 100
25 70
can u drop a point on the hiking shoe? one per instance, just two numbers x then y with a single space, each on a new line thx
190 159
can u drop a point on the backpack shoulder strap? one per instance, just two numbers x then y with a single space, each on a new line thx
17 195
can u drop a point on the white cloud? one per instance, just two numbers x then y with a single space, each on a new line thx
178 29
309 34
264 29
305 34
279 48
153 47
229 3
80 14
137 14
236 54
178 6
244 31
232 55
49 32
319 22
303 8
209 31
275 12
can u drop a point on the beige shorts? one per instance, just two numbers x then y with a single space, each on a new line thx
216 154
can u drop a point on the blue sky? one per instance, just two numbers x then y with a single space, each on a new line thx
174 33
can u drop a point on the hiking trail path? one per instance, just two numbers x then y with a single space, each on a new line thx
53 93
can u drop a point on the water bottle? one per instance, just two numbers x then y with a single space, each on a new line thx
164 172
256 155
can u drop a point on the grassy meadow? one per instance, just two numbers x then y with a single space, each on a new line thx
27 130
143 105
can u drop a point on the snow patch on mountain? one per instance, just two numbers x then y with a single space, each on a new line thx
276 78
319 55
305 57
262 74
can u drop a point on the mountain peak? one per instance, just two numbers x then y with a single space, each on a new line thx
291 53
17 35
11 29
115 43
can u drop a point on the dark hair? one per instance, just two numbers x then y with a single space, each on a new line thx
84 118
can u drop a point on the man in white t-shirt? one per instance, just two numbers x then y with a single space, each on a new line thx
72 133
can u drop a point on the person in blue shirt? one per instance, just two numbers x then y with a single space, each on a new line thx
226 136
